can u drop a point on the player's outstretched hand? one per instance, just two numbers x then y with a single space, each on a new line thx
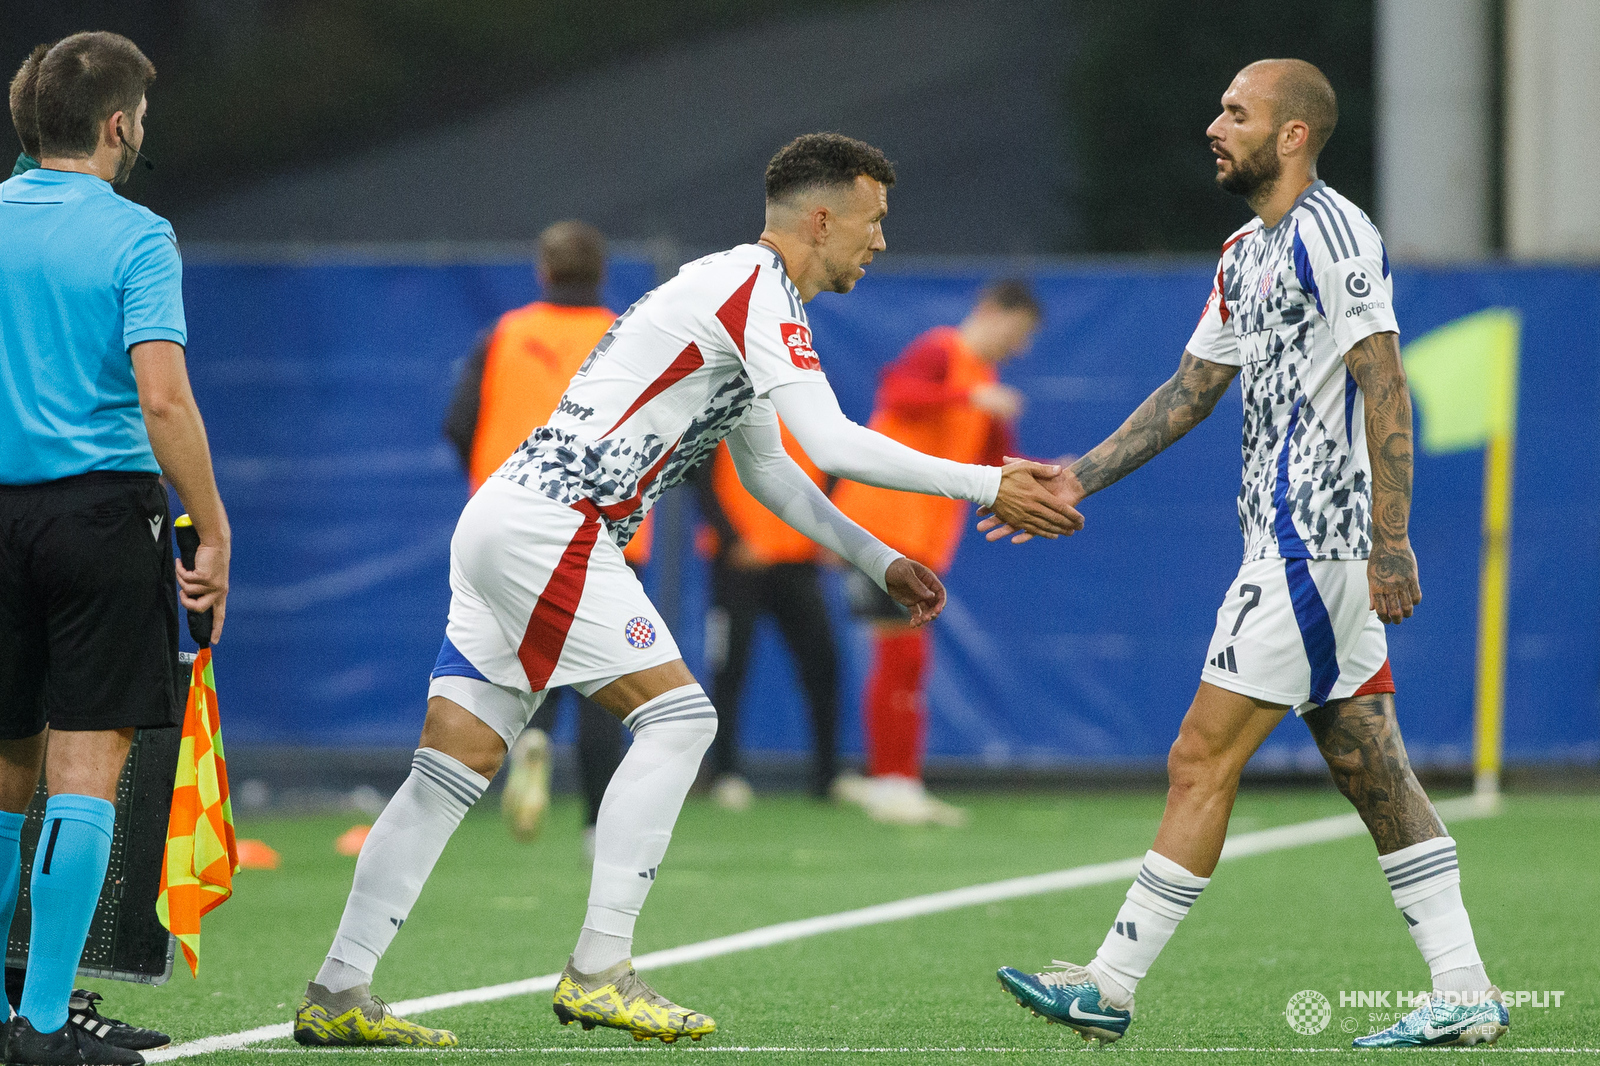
1026 501
1392 580
915 586
205 588
1064 489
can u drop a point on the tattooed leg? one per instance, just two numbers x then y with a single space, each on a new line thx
1360 739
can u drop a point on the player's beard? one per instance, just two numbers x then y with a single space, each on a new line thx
842 276
1254 172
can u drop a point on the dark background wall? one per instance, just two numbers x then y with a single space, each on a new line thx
1148 77
1047 126
251 88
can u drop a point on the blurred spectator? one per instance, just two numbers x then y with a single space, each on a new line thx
942 396
510 386
761 566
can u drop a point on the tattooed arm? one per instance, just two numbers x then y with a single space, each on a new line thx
1392 568
1166 414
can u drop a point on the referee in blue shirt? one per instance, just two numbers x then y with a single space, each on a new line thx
95 406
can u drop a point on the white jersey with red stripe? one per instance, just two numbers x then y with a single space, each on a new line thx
1289 301
675 374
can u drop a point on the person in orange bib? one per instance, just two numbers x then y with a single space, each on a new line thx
941 396
762 566
510 386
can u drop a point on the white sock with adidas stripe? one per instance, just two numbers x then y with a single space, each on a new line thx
1425 881
670 735
1157 900
400 852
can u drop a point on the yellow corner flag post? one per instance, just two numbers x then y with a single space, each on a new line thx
202 856
1464 375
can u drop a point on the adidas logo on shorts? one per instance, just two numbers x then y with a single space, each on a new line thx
1225 661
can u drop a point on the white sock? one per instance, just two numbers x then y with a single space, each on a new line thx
670 735
396 860
598 952
1157 901
1425 881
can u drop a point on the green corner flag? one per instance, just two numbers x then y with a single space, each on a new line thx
1464 376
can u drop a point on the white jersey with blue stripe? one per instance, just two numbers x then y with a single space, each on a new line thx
1288 302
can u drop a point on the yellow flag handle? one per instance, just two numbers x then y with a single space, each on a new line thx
1493 582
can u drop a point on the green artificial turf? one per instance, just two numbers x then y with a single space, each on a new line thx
1314 917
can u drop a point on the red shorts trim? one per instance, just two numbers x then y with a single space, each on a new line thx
557 608
1382 681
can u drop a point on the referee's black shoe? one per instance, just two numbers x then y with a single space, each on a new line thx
67 1046
83 1011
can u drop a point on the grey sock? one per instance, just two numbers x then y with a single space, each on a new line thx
597 952
337 1003
337 976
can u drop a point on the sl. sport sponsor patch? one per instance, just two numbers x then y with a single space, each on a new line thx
797 339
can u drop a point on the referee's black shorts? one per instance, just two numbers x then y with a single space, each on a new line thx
88 606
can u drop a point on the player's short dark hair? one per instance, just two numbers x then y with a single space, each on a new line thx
25 100
819 160
1011 294
573 253
1303 92
84 80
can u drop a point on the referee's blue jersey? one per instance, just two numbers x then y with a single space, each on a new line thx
84 276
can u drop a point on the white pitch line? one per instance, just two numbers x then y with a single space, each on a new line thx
1260 842
711 1049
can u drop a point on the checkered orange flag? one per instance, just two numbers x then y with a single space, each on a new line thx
201 859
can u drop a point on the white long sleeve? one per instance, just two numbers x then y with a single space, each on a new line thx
772 477
847 450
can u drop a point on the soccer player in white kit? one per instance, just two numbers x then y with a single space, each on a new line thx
1302 313
541 597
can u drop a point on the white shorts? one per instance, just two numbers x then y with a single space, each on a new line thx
1299 632
540 597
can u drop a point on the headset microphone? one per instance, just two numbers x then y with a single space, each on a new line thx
141 156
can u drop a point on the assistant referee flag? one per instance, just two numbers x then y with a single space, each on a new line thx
201 859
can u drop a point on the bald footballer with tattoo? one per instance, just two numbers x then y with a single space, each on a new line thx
1302 314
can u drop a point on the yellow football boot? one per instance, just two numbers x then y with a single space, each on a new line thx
357 1018
619 999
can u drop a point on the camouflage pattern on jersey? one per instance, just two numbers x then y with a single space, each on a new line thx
1312 496
609 472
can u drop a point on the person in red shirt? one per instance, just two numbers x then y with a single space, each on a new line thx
942 396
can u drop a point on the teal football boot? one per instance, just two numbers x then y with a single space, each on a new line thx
1437 1024
1069 996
